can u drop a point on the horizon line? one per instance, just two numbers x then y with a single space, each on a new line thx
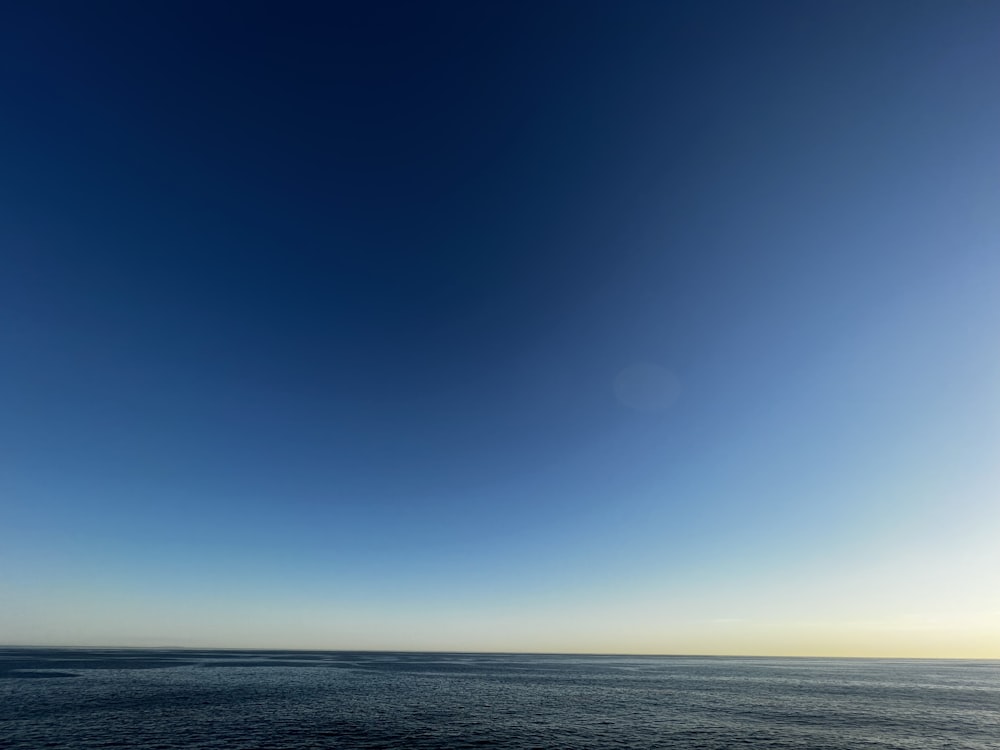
498 653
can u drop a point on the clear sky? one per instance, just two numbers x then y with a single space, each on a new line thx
561 326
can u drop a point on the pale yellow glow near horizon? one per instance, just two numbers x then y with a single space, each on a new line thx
931 594
636 627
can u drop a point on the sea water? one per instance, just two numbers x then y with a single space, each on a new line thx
295 700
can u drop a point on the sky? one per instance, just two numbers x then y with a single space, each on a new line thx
566 327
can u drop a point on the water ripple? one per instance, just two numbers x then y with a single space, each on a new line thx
294 701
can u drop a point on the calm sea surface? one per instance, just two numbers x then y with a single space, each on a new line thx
256 699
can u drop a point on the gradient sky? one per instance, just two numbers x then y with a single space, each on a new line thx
561 326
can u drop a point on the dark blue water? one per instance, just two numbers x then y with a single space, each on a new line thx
229 699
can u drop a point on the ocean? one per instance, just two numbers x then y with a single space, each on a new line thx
278 700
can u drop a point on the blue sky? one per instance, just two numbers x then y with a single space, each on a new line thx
637 327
